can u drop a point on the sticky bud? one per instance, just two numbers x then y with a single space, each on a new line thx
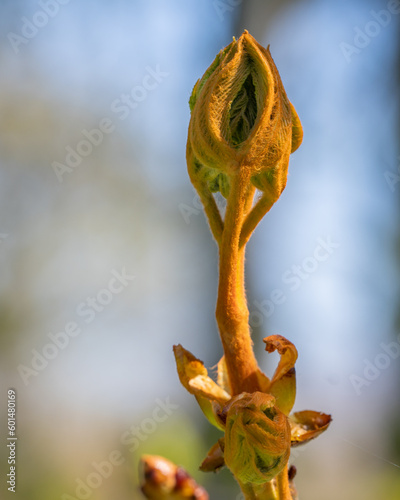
257 438
162 480
241 119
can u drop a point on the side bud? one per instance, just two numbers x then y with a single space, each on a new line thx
163 480
257 438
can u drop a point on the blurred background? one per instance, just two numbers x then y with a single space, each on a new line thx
107 260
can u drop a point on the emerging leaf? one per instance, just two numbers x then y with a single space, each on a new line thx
283 383
215 457
194 377
257 438
307 425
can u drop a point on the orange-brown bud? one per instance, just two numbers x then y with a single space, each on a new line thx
242 119
163 480
257 438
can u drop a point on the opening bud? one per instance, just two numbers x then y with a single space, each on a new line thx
242 119
257 438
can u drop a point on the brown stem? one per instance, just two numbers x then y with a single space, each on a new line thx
282 482
211 209
248 491
262 206
232 313
264 491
